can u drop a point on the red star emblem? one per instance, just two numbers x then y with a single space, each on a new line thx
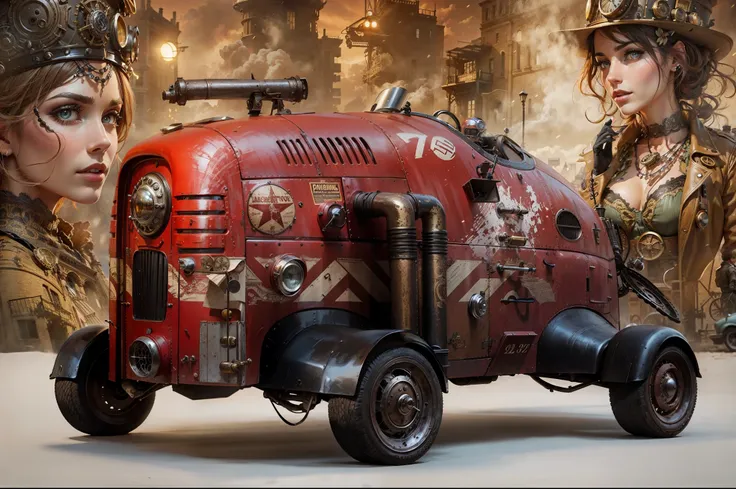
270 211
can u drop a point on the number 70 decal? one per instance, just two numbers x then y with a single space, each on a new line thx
441 147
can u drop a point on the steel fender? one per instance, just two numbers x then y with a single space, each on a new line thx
631 353
329 359
73 349
574 342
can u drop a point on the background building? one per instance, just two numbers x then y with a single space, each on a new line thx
402 42
296 24
154 73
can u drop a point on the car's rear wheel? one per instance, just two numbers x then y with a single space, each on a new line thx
662 405
396 414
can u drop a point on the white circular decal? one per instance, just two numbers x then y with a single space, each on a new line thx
443 148
271 209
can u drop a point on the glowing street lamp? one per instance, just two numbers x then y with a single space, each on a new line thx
523 95
169 51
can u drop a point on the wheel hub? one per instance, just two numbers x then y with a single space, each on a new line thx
398 404
667 392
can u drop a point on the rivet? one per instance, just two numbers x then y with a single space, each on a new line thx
700 175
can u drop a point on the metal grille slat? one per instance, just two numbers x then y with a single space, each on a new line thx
150 285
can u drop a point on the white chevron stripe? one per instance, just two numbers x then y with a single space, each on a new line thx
487 285
327 280
360 271
348 296
459 271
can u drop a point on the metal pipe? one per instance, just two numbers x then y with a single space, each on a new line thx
400 213
434 269
289 89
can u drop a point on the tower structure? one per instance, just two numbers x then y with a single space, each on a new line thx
292 25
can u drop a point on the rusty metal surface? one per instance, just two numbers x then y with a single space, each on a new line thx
259 185
212 352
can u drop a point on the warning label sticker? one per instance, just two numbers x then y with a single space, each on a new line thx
325 192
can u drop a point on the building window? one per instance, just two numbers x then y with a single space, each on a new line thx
491 65
291 19
417 33
498 37
518 57
529 57
27 329
503 64
485 14
471 108
538 60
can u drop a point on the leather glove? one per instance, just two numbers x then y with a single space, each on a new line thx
603 148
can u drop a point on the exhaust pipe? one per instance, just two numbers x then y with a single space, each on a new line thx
434 270
400 213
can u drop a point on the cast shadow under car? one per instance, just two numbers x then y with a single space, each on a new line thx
314 445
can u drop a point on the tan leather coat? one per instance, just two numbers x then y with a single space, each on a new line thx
708 210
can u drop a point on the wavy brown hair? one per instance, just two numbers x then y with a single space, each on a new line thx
20 93
700 72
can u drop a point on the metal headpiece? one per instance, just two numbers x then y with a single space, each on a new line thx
35 33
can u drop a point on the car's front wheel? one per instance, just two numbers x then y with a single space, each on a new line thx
729 338
94 405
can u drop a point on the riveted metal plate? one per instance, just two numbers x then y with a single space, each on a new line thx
212 352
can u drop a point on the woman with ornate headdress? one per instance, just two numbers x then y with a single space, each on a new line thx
664 178
65 109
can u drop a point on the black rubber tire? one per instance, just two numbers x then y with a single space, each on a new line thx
729 338
352 420
634 407
80 403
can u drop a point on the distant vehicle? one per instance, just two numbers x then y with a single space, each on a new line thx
725 332
366 260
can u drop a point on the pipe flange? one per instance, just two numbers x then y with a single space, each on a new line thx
478 305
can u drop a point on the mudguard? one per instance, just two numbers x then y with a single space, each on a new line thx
630 354
319 353
574 342
72 351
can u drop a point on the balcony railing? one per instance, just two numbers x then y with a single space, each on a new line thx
40 307
456 79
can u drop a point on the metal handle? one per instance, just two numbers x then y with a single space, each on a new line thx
502 268
514 300
511 210
512 240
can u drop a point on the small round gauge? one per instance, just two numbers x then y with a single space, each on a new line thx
614 8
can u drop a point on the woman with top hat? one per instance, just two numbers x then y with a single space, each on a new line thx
663 177
65 109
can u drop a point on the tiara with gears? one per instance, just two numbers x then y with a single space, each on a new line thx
35 33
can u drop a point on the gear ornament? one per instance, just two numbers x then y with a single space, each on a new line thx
93 21
650 246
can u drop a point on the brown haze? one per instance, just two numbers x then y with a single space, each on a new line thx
211 30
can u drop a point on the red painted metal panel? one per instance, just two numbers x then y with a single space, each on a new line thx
291 206
349 145
351 277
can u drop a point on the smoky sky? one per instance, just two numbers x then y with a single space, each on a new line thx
207 23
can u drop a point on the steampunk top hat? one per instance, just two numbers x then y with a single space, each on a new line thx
690 18
35 33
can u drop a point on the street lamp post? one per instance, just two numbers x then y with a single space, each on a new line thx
523 95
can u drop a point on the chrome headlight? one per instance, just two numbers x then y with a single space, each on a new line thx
288 274
144 357
150 205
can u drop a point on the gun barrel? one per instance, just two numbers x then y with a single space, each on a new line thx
290 90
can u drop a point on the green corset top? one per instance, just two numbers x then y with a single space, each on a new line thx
661 211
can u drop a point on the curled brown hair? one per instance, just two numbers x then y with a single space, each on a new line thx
699 69
20 93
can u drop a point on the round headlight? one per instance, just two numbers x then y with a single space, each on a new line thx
144 357
288 275
150 204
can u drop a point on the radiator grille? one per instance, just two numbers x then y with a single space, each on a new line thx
344 151
150 285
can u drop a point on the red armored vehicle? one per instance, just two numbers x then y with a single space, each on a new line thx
367 260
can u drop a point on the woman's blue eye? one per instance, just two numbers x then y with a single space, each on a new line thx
111 118
634 55
65 114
